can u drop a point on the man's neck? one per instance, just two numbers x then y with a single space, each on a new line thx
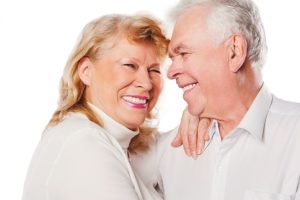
247 87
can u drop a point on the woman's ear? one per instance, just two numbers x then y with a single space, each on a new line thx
237 51
85 70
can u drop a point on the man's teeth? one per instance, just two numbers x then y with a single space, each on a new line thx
135 100
188 87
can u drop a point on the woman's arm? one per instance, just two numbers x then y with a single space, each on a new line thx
192 134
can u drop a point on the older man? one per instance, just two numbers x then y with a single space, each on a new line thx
217 50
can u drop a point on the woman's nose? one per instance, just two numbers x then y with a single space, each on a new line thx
143 80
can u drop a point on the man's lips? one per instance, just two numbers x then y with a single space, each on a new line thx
186 87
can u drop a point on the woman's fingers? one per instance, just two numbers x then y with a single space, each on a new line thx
192 135
185 139
177 141
183 132
202 134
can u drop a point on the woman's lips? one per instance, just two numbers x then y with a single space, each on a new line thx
136 101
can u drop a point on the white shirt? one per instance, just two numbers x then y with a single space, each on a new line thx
78 160
258 160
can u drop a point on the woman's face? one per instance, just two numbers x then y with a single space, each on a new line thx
125 82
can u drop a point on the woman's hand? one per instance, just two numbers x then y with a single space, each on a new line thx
192 134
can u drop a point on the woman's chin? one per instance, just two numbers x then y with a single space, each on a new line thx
136 124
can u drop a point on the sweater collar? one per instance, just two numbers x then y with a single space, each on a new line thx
121 133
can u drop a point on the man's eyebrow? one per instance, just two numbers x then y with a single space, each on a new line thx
176 50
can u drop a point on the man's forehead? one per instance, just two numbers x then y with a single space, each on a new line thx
187 33
181 39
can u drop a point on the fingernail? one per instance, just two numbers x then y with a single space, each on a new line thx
202 149
199 151
188 154
194 155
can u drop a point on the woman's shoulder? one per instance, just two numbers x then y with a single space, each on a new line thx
76 134
74 127
73 123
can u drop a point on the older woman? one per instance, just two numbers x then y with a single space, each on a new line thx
110 84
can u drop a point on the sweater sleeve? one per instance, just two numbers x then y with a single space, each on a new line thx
147 164
297 196
89 167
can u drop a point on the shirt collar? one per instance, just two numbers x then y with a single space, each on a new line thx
121 133
255 118
212 131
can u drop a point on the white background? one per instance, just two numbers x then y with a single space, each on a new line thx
36 38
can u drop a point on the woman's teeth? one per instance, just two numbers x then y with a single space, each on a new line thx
188 87
135 100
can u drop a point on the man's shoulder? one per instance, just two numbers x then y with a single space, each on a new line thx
285 108
284 116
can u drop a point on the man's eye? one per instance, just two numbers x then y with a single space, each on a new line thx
183 53
129 65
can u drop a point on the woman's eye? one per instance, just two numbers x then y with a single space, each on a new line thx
155 71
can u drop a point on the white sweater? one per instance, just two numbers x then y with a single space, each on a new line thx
78 160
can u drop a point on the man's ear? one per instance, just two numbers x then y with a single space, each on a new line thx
237 52
85 70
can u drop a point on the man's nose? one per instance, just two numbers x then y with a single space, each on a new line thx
174 70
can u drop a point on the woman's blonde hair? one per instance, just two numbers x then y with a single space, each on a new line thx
96 36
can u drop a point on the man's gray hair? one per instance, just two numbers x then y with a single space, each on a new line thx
226 17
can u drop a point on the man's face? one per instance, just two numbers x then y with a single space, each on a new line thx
199 66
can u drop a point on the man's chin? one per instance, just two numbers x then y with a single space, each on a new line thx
195 111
